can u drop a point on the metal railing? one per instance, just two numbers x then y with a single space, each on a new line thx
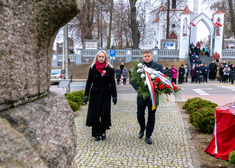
121 55
230 54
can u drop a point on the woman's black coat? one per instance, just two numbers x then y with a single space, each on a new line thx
100 96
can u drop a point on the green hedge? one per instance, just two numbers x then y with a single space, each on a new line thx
203 119
75 99
232 157
197 103
190 101
201 114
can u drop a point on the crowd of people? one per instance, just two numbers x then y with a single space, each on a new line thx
197 70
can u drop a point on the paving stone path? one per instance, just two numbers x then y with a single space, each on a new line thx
123 148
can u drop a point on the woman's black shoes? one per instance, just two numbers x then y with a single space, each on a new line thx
97 138
103 136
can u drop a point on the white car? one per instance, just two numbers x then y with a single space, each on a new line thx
57 75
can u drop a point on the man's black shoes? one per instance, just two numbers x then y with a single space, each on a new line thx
149 140
97 138
103 136
141 134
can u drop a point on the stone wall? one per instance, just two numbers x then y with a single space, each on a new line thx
36 126
48 124
27 33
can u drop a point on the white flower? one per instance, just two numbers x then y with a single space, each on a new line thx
139 70
145 83
152 76
142 75
140 65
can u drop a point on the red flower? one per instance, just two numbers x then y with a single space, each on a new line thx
161 87
167 86
157 79
154 86
172 84
164 75
174 88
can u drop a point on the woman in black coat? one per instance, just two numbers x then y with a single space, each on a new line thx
101 86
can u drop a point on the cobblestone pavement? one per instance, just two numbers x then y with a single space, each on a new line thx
123 148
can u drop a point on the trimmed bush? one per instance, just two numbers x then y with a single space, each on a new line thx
232 157
76 97
190 101
74 106
203 119
197 104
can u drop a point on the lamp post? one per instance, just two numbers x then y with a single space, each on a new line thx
101 32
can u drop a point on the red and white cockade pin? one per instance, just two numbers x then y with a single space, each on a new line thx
103 73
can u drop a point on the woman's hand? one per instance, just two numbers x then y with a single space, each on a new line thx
114 100
85 99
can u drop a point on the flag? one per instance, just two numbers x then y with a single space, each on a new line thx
215 24
192 24
189 26
151 90
218 24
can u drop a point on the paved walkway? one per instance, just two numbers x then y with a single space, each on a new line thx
123 148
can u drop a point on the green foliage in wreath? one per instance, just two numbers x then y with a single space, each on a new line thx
138 78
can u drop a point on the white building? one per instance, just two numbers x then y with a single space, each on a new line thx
182 30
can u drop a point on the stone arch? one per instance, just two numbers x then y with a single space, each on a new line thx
209 24
206 20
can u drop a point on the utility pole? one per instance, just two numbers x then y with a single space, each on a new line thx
101 27
66 51
63 50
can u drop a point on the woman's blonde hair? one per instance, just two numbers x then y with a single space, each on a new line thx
106 59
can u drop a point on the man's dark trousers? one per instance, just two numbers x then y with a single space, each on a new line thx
141 106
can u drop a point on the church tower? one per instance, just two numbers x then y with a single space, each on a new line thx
194 29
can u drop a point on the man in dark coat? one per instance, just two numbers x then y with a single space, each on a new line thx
197 73
212 70
181 74
122 66
205 70
118 75
142 104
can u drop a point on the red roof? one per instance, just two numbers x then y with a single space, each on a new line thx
186 10
218 11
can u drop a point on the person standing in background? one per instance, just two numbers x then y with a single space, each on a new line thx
124 75
122 66
181 74
118 75
174 74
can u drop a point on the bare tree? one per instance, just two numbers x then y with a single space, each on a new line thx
227 6
110 23
168 19
231 4
134 25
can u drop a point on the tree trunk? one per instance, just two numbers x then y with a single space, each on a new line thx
168 20
232 17
110 25
134 25
89 20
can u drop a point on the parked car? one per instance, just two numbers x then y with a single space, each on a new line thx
57 75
